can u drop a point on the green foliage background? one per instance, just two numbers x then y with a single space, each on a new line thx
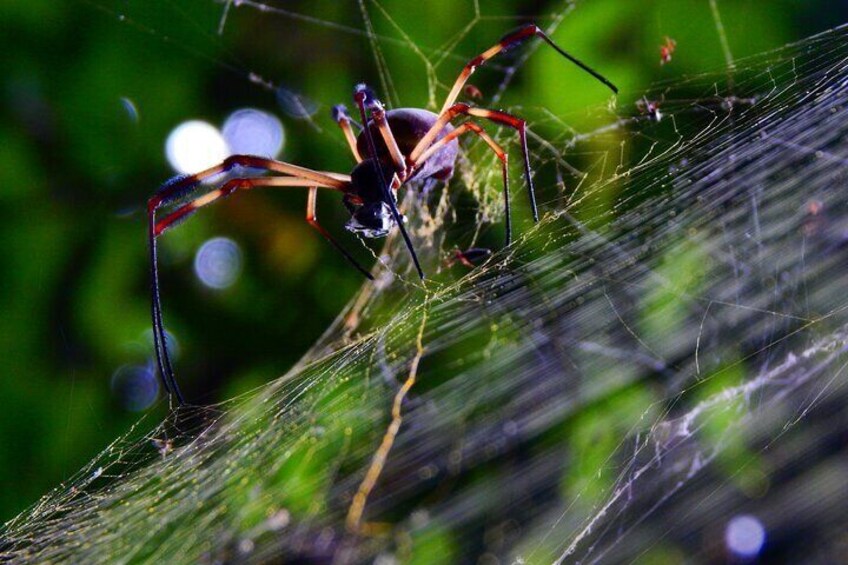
76 171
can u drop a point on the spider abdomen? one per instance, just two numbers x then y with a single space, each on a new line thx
409 125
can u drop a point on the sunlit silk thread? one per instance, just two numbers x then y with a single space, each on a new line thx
295 105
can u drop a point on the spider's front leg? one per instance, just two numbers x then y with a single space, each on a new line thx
450 109
510 40
312 219
361 96
341 117
176 190
365 97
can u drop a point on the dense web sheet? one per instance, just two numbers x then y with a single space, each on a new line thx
606 388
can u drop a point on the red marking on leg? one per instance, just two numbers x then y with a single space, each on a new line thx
452 112
234 185
173 217
226 190
153 204
518 36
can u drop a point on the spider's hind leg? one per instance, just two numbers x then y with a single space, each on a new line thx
178 189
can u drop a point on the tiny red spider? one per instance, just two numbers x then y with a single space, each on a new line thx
395 148
470 257
667 50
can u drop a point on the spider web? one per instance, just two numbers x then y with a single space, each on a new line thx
663 351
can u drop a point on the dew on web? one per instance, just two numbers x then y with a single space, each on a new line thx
656 368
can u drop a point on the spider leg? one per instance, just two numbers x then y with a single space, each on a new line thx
360 96
226 189
163 360
312 218
497 149
378 116
395 184
177 189
493 115
508 41
342 118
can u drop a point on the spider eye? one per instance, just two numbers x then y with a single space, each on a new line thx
371 220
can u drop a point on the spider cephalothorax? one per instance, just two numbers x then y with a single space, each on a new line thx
369 202
371 214
394 148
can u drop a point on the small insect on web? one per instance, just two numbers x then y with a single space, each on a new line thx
667 50
395 148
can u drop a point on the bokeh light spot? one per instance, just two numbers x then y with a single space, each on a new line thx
218 263
745 536
173 345
136 386
253 132
195 145
130 109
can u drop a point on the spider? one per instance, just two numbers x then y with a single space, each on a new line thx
649 108
394 148
667 50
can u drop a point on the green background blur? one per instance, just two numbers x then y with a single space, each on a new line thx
77 169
